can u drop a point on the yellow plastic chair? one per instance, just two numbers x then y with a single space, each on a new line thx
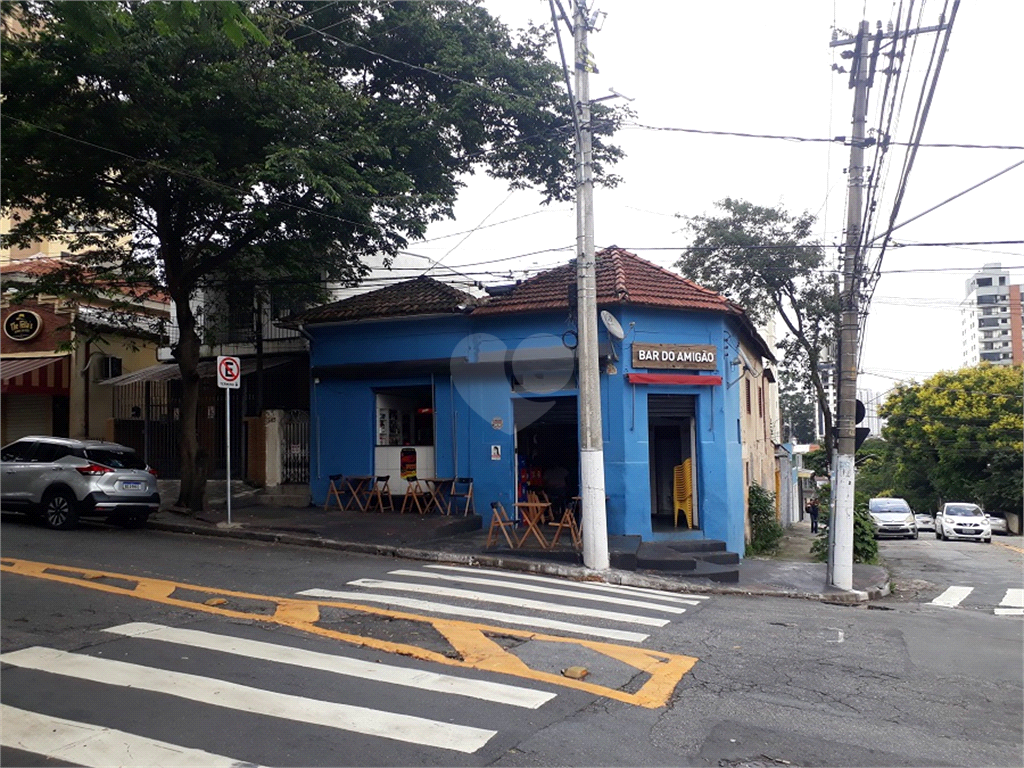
682 493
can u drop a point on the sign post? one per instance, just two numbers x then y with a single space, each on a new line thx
229 376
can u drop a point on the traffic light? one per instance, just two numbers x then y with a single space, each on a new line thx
862 432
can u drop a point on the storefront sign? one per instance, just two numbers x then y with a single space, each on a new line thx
678 357
22 325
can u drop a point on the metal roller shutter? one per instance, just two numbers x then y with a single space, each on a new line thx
671 407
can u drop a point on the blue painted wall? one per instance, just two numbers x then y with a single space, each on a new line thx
470 398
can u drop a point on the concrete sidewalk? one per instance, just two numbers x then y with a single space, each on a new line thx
790 572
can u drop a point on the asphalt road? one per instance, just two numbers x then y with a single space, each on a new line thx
146 645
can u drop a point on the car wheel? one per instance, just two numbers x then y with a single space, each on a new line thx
988 540
916 534
60 510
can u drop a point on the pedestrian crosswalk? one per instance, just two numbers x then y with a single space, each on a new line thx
1010 604
76 706
627 608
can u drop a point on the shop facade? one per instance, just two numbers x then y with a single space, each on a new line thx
419 378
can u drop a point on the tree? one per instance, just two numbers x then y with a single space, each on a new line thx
957 437
767 260
796 403
172 146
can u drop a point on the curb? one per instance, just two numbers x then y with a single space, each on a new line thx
524 565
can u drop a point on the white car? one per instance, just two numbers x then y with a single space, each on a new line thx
962 520
893 517
925 522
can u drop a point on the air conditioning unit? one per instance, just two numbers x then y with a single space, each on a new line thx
107 367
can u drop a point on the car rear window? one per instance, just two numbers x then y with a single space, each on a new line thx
888 505
115 459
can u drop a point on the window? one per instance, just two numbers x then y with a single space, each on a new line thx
47 452
19 451
748 396
984 281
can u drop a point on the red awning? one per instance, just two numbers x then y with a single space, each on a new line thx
16 366
673 378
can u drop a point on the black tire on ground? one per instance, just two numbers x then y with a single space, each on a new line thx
60 510
916 534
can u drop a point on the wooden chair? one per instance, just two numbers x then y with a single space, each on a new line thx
537 495
462 492
569 520
500 521
379 497
533 513
682 493
334 491
416 497
440 492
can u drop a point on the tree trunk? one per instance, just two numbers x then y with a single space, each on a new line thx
194 458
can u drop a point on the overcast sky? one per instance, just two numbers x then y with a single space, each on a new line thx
750 66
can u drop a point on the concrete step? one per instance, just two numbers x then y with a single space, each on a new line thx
723 574
718 558
653 556
697 545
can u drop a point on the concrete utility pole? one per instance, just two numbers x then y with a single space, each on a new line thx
595 524
841 529
862 70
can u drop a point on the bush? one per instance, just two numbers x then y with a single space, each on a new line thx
865 546
765 529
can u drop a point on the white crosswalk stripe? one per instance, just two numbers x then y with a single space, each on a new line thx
517 602
625 605
1012 604
537 589
341 665
409 729
622 589
958 596
498 617
69 741
953 596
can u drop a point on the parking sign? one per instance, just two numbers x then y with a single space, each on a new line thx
229 372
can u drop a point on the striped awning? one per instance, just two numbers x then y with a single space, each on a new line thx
50 374
16 366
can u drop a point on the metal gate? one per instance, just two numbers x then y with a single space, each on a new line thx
295 447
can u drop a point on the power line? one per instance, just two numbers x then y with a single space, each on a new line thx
814 140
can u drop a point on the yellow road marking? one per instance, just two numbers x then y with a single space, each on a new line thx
1009 546
471 642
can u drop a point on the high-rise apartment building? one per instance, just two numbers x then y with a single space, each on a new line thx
990 318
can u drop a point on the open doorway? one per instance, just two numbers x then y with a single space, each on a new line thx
670 425
547 447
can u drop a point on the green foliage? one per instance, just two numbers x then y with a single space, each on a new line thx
865 545
765 529
797 405
183 146
957 437
768 261
818 461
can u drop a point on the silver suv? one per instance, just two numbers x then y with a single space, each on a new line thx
66 479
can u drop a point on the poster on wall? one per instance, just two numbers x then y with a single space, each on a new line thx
407 463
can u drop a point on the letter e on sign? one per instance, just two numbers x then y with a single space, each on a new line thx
229 372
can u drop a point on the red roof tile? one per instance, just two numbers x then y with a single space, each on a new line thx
420 296
622 278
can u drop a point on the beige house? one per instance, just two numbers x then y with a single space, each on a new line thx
50 374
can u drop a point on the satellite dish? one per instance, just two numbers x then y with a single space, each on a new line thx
612 325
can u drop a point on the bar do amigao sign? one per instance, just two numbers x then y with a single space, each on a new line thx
680 357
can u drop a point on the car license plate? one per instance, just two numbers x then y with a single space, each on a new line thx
131 485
